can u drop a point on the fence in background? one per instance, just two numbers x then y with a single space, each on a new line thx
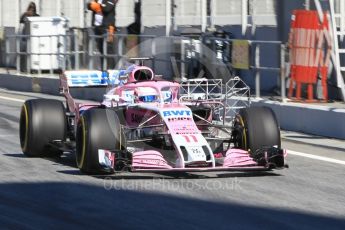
59 55
174 54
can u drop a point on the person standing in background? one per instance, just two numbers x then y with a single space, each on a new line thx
103 22
31 11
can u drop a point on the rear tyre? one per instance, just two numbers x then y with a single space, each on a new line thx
41 122
256 128
97 129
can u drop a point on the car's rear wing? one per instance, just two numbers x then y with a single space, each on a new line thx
96 78
88 79
91 78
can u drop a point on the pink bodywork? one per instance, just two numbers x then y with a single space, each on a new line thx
237 158
149 160
131 76
182 126
155 160
157 85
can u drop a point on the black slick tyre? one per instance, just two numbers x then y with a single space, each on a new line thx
97 129
255 128
42 121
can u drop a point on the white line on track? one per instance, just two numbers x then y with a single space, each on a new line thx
12 99
320 158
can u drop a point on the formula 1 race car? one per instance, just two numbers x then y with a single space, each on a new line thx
145 124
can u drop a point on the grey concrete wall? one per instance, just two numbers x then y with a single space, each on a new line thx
311 119
47 86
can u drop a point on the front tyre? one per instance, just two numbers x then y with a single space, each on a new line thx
97 129
256 128
41 122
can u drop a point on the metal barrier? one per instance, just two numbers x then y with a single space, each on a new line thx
63 56
147 47
279 69
258 68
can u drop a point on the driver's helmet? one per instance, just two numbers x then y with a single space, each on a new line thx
146 94
147 98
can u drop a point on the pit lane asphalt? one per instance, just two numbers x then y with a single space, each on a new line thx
52 193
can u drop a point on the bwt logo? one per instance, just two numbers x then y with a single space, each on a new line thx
176 113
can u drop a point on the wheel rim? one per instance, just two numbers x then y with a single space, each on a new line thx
81 143
24 128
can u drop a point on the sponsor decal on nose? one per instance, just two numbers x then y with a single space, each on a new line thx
176 113
166 113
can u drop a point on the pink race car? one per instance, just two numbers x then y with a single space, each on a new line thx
144 125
